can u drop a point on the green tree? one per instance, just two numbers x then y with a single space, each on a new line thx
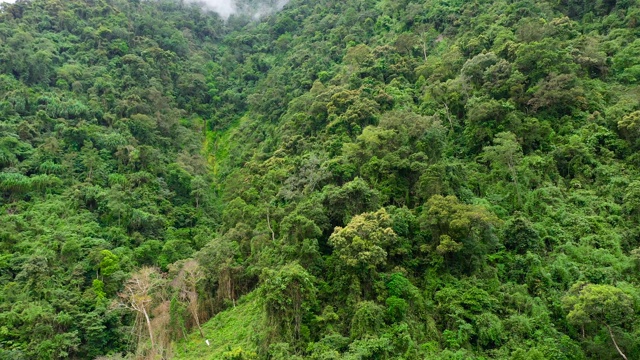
363 246
287 294
594 306
461 231
505 156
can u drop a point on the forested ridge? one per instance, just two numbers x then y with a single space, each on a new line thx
357 179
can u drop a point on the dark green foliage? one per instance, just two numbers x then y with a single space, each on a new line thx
288 295
97 160
368 319
381 179
520 236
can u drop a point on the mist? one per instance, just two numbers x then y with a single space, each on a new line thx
252 8
223 7
226 8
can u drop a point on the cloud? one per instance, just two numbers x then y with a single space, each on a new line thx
253 8
222 7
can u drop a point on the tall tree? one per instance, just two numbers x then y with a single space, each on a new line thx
138 297
599 305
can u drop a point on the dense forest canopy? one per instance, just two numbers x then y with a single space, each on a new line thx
356 179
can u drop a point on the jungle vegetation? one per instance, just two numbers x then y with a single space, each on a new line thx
355 179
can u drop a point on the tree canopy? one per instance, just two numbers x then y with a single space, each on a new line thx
361 179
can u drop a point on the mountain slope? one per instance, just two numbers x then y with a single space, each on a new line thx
101 164
497 136
340 180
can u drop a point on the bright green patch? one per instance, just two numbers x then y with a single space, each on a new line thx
218 143
232 329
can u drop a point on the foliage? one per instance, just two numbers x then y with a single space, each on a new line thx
332 180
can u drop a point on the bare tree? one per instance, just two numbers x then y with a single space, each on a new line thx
187 283
427 35
137 296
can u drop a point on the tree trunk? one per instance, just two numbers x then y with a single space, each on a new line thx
273 235
446 107
197 318
615 343
514 174
231 292
146 316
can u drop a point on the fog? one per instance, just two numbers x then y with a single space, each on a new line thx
253 8
222 7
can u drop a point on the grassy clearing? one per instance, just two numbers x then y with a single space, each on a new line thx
230 330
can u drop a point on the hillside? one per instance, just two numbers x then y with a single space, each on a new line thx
360 179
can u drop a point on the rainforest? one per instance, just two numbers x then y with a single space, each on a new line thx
354 179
